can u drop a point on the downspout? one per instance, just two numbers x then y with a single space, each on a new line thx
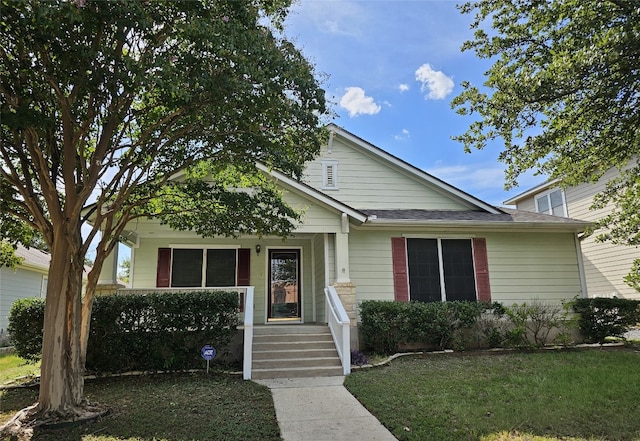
583 279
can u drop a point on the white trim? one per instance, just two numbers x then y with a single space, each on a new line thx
532 191
203 273
440 236
581 272
547 195
300 283
312 246
443 288
438 239
204 246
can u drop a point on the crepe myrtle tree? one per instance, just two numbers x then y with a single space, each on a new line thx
116 110
563 94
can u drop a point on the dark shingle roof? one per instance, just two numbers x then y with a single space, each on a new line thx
468 216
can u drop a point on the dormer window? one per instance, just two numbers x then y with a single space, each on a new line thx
552 202
329 174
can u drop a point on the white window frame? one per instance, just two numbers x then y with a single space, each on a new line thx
326 183
203 277
443 288
547 195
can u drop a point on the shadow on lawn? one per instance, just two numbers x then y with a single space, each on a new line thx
176 407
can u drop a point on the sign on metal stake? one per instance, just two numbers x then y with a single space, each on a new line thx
208 352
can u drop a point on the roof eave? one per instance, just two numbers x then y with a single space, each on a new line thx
576 227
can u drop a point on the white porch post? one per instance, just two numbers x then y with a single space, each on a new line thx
108 281
342 258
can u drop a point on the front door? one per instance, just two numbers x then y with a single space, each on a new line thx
284 285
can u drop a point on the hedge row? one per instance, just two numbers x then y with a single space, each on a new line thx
388 326
159 331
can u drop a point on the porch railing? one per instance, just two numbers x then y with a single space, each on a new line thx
248 333
339 324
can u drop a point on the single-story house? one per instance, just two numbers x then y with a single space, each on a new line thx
605 264
29 279
374 227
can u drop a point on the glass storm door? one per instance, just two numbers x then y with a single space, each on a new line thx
284 285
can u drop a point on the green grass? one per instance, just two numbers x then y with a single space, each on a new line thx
172 407
581 395
14 369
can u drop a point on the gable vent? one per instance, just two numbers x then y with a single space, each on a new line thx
330 175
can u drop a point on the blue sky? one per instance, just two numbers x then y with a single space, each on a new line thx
392 68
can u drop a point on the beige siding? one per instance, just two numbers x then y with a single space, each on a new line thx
526 266
527 204
605 264
315 218
522 266
367 182
14 285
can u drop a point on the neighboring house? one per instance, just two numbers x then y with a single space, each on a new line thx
374 227
29 279
605 264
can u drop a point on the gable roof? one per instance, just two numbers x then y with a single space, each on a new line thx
412 170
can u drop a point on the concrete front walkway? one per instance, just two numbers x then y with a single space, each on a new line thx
321 409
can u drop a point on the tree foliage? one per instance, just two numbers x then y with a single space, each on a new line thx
563 94
115 110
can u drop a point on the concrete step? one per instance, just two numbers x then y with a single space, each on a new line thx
260 374
293 345
292 353
291 337
290 363
289 329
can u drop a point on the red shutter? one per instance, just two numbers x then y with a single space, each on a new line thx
244 271
244 255
481 264
163 274
399 259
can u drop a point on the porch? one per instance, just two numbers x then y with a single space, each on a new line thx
288 348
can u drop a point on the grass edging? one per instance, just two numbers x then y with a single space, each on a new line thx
390 358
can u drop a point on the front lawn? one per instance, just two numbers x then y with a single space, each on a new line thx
573 394
194 407
14 369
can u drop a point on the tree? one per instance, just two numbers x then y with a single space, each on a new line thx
115 110
564 97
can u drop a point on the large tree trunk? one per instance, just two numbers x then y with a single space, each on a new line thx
62 371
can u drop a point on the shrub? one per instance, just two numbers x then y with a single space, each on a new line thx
160 331
600 317
25 327
387 325
358 358
536 324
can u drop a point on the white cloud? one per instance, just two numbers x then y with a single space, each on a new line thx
357 103
403 87
434 81
403 135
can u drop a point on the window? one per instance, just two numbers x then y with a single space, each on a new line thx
194 268
329 174
552 202
441 269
